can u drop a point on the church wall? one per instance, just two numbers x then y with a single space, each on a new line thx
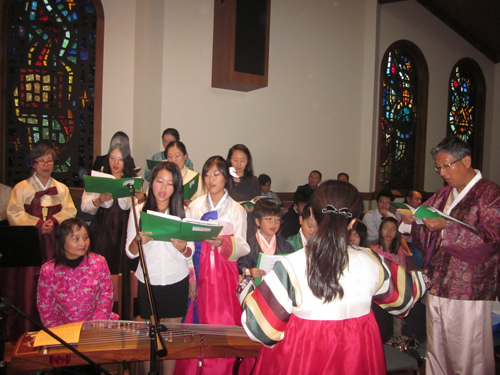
320 108
309 117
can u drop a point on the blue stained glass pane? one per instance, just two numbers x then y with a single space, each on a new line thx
89 9
73 52
45 36
75 17
33 5
75 46
32 15
84 55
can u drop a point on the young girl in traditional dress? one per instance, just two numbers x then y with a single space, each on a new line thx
167 262
176 153
76 285
43 202
108 230
215 261
312 311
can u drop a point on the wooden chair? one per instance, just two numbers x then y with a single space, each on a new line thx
117 292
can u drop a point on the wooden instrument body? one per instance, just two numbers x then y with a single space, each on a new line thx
115 341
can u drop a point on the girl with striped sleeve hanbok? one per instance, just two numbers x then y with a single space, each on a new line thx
312 312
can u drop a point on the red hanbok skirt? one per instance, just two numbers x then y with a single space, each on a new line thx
321 347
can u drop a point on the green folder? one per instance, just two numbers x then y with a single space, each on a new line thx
117 187
427 212
191 187
166 227
249 204
153 163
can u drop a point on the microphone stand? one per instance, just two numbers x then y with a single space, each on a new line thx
6 302
157 344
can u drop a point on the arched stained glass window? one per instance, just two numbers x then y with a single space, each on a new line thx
53 86
466 106
403 101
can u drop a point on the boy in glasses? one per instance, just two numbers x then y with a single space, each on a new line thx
267 216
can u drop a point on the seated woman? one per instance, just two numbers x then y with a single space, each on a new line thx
76 285
324 292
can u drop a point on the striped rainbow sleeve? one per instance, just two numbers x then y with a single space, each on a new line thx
399 289
268 308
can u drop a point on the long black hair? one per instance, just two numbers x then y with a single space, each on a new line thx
128 162
248 172
396 242
176 202
334 204
220 164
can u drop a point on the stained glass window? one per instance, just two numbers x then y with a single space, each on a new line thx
399 120
51 62
466 114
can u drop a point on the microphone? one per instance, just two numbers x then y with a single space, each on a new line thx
130 185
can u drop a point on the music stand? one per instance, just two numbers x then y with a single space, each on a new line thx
20 246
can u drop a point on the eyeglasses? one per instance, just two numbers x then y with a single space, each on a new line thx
43 162
270 220
446 166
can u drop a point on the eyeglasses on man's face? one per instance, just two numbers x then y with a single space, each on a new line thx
446 166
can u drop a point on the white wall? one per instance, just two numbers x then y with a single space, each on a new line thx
308 118
320 108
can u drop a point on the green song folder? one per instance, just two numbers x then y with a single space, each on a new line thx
191 187
164 227
117 187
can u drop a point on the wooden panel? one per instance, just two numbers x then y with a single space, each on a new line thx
241 44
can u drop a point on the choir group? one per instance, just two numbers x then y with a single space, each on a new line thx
312 311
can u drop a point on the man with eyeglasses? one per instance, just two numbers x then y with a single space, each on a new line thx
461 265
373 218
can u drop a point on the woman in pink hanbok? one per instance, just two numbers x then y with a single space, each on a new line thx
215 262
